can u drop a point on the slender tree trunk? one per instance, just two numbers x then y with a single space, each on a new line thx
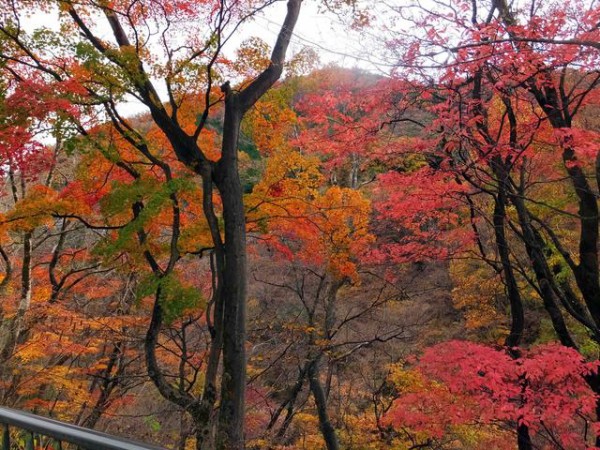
8 272
523 438
290 411
542 272
10 329
514 296
587 274
110 381
205 423
289 401
321 403
516 304
320 394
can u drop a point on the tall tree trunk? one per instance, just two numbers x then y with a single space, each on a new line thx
321 403
230 433
516 304
230 430
11 329
205 423
514 296
556 108
542 272
523 438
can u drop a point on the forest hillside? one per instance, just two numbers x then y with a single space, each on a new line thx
216 249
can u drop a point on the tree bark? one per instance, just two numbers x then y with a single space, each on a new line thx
523 438
230 434
230 431
543 88
514 296
542 272
11 329
321 403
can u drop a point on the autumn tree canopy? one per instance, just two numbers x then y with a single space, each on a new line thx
209 239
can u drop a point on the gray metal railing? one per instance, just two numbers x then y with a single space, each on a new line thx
50 434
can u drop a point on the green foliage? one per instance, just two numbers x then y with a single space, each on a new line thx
44 37
152 423
151 195
174 297
247 146
71 145
588 347
94 62
87 52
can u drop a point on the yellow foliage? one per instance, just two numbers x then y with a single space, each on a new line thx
310 437
34 210
360 432
405 379
479 294
317 224
39 206
289 175
269 124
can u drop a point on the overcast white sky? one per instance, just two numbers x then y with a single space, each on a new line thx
323 32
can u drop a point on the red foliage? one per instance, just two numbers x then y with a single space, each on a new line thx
343 118
465 383
28 110
424 208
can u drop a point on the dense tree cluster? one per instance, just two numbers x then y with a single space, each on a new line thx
278 255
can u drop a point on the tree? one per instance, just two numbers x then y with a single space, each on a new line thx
510 89
101 74
458 384
44 271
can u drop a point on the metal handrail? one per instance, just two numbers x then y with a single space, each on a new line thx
64 432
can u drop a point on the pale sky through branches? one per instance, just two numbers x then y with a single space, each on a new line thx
322 31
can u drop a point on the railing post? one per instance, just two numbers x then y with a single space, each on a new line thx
29 440
5 437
